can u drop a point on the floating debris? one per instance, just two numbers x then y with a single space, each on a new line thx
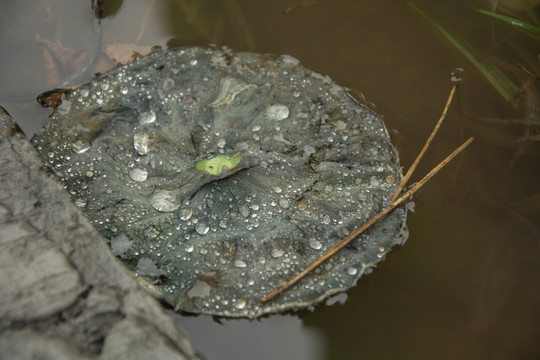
218 176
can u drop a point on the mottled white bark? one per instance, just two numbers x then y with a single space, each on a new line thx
62 293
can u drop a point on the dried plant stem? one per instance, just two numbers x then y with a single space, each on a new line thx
271 295
426 145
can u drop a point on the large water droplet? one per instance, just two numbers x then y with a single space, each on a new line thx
138 174
147 117
277 252
240 304
240 263
244 211
277 112
315 244
80 146
80 202
374 181
202 228
165 200
284 203
141 142
185 214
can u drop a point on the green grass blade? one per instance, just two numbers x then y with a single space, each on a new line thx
498 80
512 21
529 9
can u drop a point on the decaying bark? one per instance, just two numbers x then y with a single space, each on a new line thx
62 293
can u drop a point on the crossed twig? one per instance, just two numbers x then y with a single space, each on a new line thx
395 202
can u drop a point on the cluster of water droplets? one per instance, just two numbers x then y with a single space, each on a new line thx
315 165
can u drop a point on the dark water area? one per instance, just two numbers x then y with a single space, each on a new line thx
467 282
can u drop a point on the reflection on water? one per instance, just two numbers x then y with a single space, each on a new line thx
466 283
277 337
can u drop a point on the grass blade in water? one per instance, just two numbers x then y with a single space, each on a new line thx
512 21
498 80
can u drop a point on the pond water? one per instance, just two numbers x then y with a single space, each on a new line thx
466 284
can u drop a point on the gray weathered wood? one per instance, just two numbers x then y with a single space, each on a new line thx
62 293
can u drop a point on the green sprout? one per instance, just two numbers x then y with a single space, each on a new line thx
219 164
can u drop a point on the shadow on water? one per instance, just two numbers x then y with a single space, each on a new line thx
466 283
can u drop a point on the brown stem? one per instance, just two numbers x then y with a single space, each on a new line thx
426 145
330 252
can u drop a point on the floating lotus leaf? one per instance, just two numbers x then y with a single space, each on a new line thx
218 176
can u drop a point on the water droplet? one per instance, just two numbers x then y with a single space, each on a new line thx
240 263
374 181
457 75
352 271
151 232
80 202
80 146
141 143
244 211
165 200
138 174
221 143
147 117
277 189
277 252
284 203
326 219
123 91
256 128
277 112
189 249
390 179
315 244
240 304
193 62
185 214
201 228
168 84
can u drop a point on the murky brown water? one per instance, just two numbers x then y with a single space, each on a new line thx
467 283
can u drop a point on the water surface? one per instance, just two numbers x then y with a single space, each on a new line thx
466 284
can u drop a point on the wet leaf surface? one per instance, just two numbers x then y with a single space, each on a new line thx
297 164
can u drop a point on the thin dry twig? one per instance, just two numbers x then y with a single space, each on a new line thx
278 291
426 145
396 201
